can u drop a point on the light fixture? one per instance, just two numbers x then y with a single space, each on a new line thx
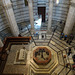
57 1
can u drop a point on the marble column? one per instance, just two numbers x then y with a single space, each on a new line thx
50 14
10 17
30 5
70 19
1 43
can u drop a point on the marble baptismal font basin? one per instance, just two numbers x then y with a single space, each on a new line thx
43 60
42 55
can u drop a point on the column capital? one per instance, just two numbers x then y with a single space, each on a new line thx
30 1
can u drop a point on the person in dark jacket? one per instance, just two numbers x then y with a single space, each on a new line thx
65 37
73 57
71 37
69 49
61 36
70 41
69 52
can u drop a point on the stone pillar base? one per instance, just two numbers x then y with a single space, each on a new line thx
32 31
49 31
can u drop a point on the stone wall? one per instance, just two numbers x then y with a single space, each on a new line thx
3 21
40 3
4 27
20 10
60 11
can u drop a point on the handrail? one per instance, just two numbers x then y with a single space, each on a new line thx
31 35
52 35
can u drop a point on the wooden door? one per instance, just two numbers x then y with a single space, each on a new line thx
41 11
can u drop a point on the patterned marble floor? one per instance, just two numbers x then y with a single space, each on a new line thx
53 42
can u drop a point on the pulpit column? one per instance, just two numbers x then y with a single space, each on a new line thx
50 14
30 5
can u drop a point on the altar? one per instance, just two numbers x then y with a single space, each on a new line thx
21 56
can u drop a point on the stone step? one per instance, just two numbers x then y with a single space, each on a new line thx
67 45
64 52
35 38
60 58
64 71
42 44
41 66
62 45
73 40
56 34
54 47
73 44
46 38
58 45
71 72
57 70
27 34
24 33
45 71
48 35
52 50
42 41
41 70
59 28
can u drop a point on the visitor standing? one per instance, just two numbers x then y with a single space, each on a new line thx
65 37
61 36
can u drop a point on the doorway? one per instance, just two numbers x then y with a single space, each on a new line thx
41 11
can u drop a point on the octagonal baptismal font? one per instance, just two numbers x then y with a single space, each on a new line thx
43 60
42 55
